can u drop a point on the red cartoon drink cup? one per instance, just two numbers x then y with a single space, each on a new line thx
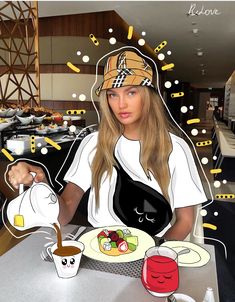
160 275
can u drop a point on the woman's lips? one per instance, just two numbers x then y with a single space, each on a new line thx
124 114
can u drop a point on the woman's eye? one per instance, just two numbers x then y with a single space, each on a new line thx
131 93
111 95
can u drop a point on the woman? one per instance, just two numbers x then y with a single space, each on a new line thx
137 172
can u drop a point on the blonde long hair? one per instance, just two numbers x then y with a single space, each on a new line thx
154 139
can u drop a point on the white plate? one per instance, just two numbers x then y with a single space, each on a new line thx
145 241
5 125
43 131
196 257
52 130
183 298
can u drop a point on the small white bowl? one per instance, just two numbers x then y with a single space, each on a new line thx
5 125
25 120
39 119
11 112
52 130
19 112
3 112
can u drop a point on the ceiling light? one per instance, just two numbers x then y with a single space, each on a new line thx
200 53
195 30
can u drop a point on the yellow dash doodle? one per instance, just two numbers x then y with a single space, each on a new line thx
225 196
7 154
76 111
209 226
130 32
160 46
168 66
177 95
204 143
94 40
215 171
193 121
52 143
74 68
32 141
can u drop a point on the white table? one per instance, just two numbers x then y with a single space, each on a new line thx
26 277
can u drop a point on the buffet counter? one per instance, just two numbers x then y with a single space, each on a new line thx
53 159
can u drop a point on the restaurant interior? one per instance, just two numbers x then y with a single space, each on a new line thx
51 59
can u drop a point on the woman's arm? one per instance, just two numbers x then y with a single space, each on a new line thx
183 224
69 201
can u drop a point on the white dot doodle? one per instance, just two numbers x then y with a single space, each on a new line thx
79 53
203 131
39 145
72 128
44 150
224 181
110 30
203 212
141 42
161 57
176 82
167 84
85 59
82 97
74 95
143 33
183 109
216 213
214 157
191 107
112 41
65 123
194 132
204 160
169 52
217 184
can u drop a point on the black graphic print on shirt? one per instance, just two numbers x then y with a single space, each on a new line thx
138 205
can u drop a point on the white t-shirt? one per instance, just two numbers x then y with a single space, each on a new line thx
185 188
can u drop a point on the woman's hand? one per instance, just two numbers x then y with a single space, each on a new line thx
21 174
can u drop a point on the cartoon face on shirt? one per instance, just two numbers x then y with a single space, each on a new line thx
147 213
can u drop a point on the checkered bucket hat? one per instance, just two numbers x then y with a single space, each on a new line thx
126 69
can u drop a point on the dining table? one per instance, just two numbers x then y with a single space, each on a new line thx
25 276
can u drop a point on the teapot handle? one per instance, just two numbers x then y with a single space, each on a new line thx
21 186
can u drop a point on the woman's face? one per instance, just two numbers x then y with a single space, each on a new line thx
126 104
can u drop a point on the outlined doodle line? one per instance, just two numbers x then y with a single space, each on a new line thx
75 140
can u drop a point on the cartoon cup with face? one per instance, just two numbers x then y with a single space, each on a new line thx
160 275
66 257
37 206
